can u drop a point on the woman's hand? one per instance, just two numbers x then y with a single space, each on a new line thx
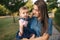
24 39
33 36
45 36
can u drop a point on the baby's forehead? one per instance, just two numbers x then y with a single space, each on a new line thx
24 10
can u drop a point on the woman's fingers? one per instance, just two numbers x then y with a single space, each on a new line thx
24 39
33 36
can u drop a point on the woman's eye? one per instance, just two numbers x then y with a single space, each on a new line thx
35 9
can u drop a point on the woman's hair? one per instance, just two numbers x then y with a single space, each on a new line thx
42 7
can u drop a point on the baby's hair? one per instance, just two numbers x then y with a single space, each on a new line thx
23 8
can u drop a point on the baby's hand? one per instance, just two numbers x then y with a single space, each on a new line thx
20 34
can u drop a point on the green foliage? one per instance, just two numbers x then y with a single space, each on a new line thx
57 17
52 4
29 4
51 0
1 13
3 10
12 5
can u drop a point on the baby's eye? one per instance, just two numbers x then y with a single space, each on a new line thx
23 13
27 12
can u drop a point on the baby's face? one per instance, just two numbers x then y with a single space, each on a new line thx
24 13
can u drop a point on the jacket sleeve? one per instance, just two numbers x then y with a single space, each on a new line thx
49 29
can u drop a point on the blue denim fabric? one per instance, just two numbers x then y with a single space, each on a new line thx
37 26
49 30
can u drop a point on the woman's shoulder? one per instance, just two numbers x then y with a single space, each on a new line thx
50 21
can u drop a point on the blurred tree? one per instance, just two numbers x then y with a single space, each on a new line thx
57 17
29 4
13 5
52 4
3 10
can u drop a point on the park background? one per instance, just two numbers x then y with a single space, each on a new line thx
9 16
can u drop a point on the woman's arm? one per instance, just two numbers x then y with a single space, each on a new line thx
33 38
45 36
49 30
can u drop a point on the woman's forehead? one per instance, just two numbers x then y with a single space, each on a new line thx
35 7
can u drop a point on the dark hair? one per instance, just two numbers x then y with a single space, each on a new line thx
42 7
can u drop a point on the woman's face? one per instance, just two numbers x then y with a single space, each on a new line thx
36 11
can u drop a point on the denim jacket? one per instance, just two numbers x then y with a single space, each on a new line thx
37 26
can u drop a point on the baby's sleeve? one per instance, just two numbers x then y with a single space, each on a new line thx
21 22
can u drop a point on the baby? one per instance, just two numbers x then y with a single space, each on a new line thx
24 29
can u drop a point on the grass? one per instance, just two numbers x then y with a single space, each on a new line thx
8 29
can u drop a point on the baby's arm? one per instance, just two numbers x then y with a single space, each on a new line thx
20 27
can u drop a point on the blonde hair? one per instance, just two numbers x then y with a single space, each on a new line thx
22 8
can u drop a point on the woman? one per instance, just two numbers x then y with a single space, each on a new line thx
40 22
